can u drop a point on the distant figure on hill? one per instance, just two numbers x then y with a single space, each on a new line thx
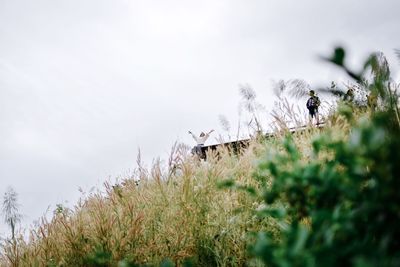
312 105
349 96
372 101
200 140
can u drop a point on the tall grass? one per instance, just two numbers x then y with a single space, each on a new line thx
174 211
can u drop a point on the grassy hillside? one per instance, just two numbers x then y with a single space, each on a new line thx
319 197
179 212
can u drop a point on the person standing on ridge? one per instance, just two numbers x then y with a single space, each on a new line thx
349 96
372 101
200 140
312 105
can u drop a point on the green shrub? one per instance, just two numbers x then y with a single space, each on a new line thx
342 205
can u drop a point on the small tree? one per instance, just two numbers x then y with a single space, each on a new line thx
10 210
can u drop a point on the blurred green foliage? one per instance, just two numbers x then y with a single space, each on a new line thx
342 205
99 258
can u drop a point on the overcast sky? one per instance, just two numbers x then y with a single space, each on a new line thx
85 83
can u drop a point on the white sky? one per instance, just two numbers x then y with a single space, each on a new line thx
84 84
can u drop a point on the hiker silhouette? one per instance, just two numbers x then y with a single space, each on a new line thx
312 105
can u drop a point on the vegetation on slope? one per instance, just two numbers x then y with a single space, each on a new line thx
308 199
342 205
178 214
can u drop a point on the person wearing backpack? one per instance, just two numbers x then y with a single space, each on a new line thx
312 105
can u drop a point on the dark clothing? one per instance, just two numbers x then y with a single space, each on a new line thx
313 112
312 105
198 150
